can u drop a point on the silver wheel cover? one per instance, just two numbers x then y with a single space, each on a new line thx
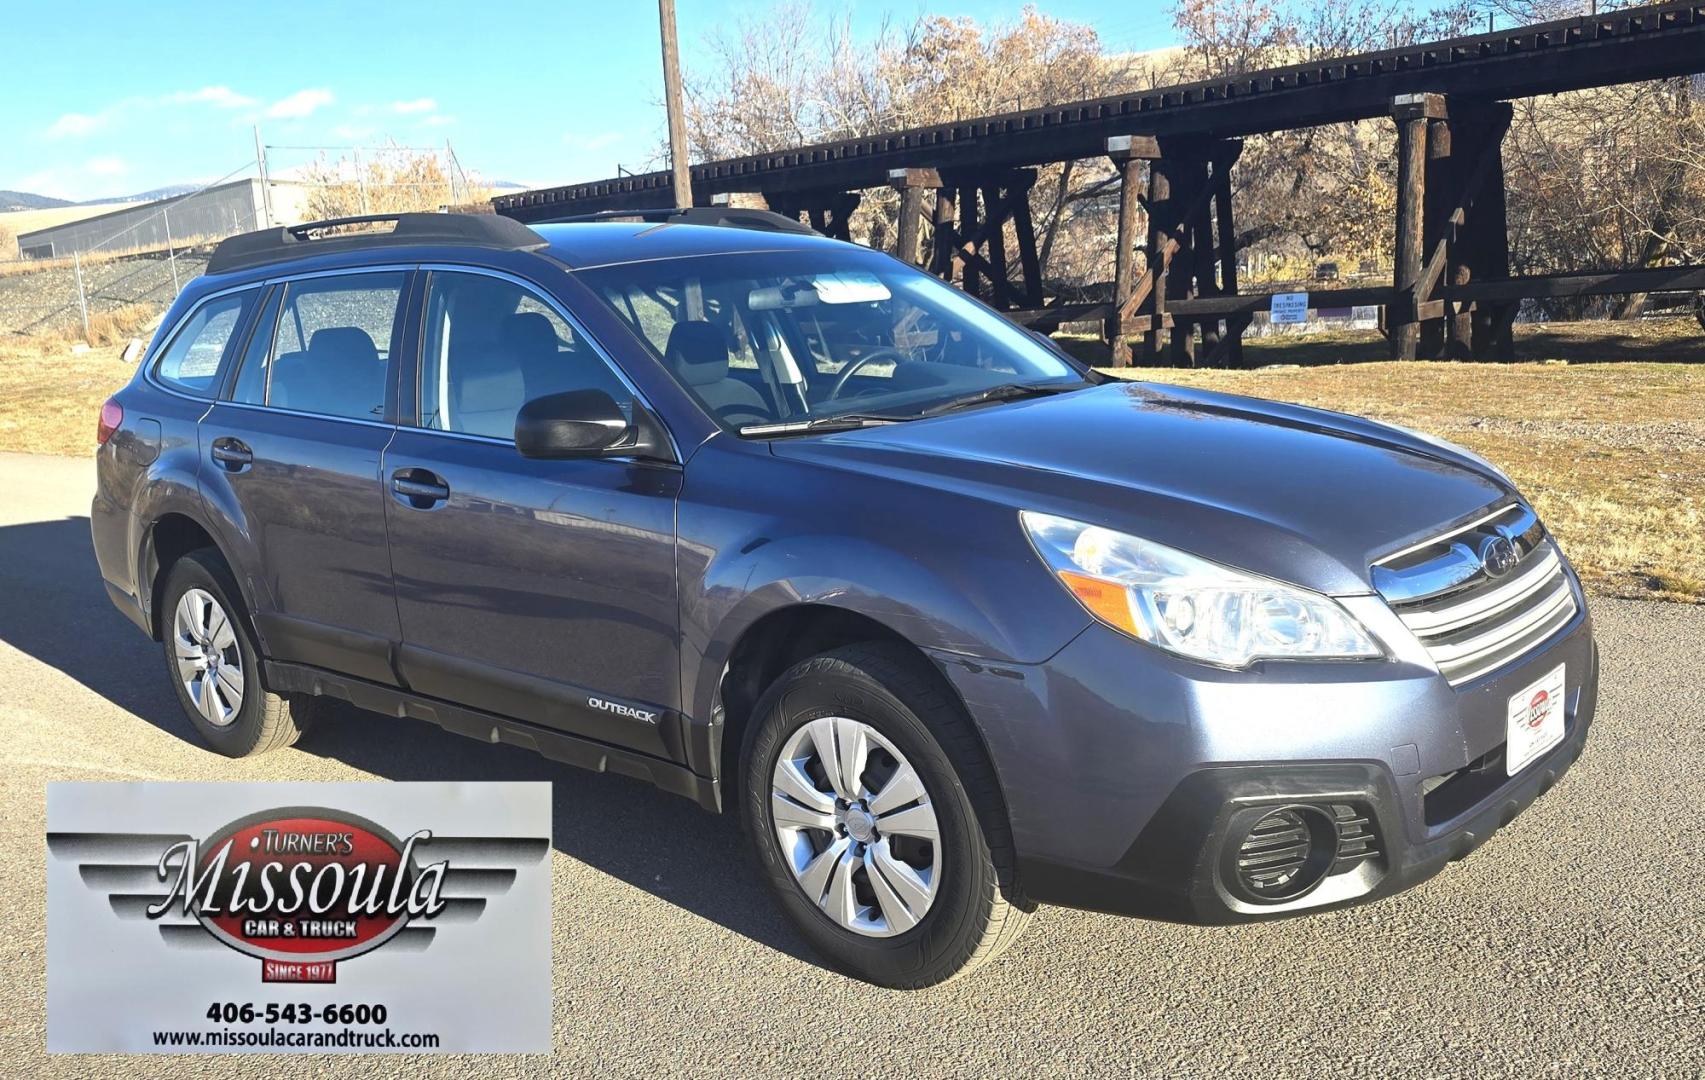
210 665
856 826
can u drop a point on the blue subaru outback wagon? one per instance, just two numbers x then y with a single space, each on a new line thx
780 524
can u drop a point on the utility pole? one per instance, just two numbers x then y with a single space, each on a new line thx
265 185
672 102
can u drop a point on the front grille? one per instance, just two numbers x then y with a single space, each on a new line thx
1470 620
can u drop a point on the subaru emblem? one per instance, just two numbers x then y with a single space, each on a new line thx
1497 556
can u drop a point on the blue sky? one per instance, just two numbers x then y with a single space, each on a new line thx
110 98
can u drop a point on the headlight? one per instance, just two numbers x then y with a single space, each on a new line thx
1189 605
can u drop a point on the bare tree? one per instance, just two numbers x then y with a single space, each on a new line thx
785 77
386 180
1311 192
1612 177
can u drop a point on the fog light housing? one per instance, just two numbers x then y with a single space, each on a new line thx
1284 852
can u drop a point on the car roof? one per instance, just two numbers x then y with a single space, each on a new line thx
583 245
577 245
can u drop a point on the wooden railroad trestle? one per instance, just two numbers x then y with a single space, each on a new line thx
1177 291
966 184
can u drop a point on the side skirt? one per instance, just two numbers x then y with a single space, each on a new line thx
287 678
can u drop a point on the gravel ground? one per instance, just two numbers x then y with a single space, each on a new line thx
45 299
1570 945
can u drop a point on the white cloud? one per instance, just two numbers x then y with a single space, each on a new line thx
42 182
300 104
592 142
352 132
418 105
106 166
222 97
78 125
74 125
439 121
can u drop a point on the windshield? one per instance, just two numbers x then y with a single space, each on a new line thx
782 339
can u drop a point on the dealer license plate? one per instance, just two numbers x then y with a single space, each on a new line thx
1536 721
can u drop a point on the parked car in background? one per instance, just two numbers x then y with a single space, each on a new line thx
956 625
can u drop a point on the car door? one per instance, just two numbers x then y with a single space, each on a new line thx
292 461
540 590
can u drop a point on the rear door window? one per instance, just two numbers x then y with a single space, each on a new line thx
331 343
191 362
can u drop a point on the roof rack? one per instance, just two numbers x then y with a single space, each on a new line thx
287 242
725 216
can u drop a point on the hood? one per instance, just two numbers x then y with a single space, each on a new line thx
1303 495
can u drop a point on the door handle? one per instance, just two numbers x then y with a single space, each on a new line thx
232 454
419 488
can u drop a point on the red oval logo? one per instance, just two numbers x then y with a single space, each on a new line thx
307 884
1538 709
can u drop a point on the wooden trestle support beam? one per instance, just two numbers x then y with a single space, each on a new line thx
982 232
1189 252
829 212
1451 229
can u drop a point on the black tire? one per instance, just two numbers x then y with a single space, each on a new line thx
975 913
264 721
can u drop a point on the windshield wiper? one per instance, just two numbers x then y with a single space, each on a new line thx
1003 392
843 422
853 421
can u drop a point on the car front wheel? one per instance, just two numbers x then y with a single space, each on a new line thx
876 819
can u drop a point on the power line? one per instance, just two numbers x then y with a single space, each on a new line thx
374 146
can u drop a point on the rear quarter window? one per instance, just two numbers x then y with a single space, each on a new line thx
191 363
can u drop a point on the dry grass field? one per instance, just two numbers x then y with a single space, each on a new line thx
23 221
50 396
1613 455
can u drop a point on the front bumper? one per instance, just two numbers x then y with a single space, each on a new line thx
1132 809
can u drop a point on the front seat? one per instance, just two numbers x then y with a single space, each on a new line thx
487 388
547 368
698 353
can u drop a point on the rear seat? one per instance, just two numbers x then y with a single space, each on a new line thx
338 373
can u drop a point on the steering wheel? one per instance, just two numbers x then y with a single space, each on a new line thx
853 366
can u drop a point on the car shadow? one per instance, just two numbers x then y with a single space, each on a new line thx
54 609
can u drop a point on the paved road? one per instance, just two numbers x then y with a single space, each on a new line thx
1570 945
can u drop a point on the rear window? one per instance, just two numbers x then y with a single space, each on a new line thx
191 362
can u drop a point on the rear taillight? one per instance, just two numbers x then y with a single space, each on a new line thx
112 415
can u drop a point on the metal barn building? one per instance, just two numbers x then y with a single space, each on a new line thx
211 213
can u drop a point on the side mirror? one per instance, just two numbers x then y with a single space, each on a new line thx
578 423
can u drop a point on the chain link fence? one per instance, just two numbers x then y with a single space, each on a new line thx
124 266
109 277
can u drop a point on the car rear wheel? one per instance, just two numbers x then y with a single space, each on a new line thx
876 819
214 666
